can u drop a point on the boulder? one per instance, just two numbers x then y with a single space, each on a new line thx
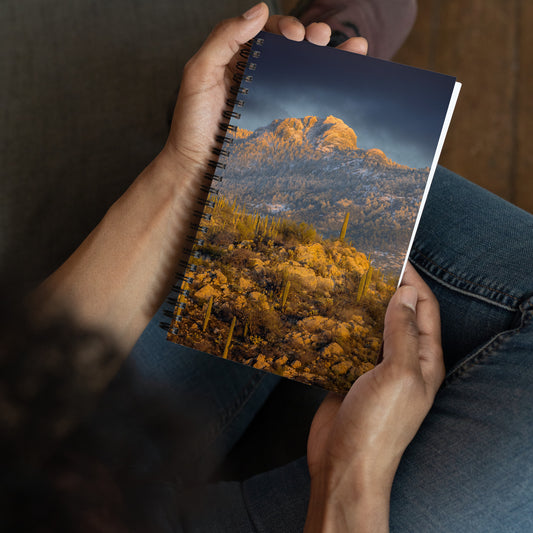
220 278
316 324
260 362
244 284
332 349
357 264
258 298
341 331
255 262
312 255
306 277
205 293
325 284
256 265
341 368
282 360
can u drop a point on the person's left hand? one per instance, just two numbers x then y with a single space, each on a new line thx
356 442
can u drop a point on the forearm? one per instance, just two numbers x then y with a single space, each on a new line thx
117 278
359 506
120 274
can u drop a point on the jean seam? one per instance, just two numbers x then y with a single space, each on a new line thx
229 414
485 350
247 507
466 280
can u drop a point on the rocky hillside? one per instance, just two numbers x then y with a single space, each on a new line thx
272 294
312 169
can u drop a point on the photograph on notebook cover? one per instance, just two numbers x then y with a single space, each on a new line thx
314 212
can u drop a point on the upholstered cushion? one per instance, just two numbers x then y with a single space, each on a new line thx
86 89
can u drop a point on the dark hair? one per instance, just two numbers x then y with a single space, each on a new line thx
63 467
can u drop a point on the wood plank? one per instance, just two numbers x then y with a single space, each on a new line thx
419 47
476 43
523 176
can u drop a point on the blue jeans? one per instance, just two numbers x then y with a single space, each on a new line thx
470 467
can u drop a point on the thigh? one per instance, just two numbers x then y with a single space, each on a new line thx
470 467
219 397
475 250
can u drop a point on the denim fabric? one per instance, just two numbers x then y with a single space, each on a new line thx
470 467
226 395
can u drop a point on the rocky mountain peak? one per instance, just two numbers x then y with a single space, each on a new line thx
323 134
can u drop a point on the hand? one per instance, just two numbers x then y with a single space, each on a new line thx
356 443
208 77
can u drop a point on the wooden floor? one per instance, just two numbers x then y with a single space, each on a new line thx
488 46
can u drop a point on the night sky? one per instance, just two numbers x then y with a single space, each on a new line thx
397 109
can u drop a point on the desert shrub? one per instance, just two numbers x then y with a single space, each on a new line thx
264 323
294 232
228 270
245 230
375 308
222 237
270 280
213 251
239 258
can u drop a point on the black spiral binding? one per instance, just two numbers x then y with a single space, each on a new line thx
184 277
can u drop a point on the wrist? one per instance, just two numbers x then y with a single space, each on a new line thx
348 501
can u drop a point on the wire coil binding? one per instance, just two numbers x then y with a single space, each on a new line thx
208 201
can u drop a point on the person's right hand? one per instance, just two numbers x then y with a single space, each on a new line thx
208 77
356 443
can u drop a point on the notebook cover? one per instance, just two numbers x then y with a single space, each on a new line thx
317 192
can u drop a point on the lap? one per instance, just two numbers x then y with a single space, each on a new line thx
469 467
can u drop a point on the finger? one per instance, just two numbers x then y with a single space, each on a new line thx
292 28
289 27
428 315
401 333
318 33
224 41
428 319
356 45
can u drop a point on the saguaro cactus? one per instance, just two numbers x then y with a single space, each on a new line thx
364 283
369 273
344 227
361 287
285 294
230 336
207 313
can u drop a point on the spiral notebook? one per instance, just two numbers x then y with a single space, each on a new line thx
310 208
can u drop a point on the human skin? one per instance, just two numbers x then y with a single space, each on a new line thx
118 277
356 442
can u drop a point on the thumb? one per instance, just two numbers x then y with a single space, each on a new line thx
224 41
401 333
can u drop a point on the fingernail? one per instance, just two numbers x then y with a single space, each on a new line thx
253 11
409 297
